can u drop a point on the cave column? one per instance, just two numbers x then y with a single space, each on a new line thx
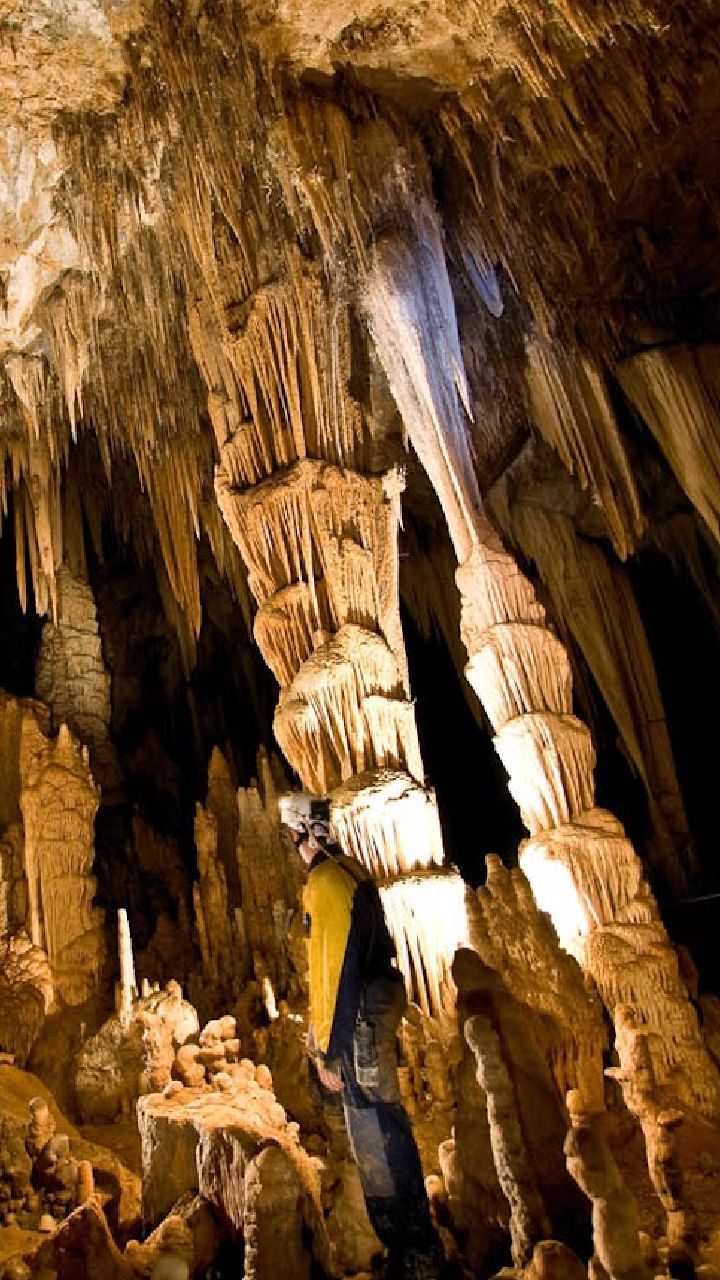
317 529
320 545
582 869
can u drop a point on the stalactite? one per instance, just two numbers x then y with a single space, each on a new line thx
550 761
571 408
286 624
332 530
411 316
291 361
71 677
344 712
38 516
427 918
522 667
629 89
388 822
677 391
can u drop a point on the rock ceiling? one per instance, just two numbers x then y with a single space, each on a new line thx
307 308
233 235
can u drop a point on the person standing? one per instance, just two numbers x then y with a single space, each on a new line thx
357 998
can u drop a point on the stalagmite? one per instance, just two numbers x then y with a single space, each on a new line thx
268 885
220 1138
660 1125
513 936
272 1225
571 406
210 897
614 1210
124 1060
27 994
13 886
59 800
588 878
528 1219
127 990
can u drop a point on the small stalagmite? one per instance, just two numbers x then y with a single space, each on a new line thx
614 1210
529 1222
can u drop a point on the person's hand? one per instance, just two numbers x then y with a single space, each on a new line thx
330 1080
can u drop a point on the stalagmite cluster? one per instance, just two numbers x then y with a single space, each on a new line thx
246 895
359 402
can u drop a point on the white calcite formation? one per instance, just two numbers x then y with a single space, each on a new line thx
306 307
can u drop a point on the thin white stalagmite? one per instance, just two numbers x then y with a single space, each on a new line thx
127 987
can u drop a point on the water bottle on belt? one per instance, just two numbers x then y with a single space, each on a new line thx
365 1054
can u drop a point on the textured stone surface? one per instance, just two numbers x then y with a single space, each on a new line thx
250 255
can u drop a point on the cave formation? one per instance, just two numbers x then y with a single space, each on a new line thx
360 432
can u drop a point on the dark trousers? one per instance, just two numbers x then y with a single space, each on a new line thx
381 1136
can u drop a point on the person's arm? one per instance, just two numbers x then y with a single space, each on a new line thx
347 1002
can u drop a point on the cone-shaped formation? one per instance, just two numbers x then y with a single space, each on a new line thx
59 801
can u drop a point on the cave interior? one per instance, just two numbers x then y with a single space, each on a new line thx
359 434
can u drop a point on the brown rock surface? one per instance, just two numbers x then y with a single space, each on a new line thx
119 1187
222 1143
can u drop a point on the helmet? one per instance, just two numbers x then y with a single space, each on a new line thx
304 813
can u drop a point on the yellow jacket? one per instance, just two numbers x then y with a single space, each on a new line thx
348 947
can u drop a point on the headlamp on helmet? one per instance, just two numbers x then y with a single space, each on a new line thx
304 814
